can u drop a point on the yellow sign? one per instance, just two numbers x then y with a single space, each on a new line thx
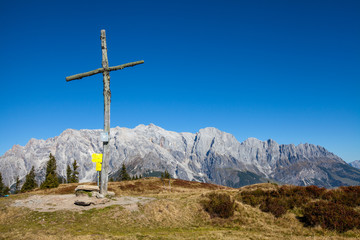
98 166
97 157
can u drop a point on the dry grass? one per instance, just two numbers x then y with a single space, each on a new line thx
176 214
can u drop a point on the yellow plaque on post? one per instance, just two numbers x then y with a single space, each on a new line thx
97 157
98 166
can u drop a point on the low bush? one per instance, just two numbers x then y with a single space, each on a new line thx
331 216
253 198
349 196
276 206
331 209
314 191
219 205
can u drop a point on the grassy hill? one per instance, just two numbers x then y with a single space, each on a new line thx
176 213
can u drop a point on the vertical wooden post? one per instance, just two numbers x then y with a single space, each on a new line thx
105 70
107 100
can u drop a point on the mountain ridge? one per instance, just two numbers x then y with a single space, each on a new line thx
210 155
355 164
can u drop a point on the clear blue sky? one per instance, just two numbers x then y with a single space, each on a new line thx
285 70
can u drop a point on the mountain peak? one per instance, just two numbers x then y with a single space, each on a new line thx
150 126
210 155
355 164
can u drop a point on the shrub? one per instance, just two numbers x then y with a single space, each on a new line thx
349 196
331 216
296 201
314 191
253 198
219 205
276 206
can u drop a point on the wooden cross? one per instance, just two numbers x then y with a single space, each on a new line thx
105 70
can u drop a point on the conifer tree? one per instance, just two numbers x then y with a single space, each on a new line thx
68 174
75 173
167 175
3 188
51 179
1 184
17 185
124 176
30 182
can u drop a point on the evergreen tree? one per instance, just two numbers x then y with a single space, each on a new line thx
17 185
51 179
68 174
124 176
3 189
167 175
30 182
2 186
75 173
6 191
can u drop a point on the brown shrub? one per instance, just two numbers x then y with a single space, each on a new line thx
253 198
349 196
314 191
331 216
276 206
219 205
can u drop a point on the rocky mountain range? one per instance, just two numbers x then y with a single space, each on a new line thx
209 155
355 164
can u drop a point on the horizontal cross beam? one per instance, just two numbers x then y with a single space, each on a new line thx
100 70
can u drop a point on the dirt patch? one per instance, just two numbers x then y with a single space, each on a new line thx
51 203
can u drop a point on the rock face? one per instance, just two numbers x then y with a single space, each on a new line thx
355 164
209 155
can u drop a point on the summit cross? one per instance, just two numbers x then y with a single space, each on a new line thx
105 70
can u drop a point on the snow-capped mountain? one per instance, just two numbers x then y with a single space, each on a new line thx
355 164
209 155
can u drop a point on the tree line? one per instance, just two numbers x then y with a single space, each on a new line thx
52 180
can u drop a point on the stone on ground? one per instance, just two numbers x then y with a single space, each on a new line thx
87 188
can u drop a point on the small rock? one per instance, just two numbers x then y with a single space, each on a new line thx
101 201
98 195
110 194
88 188
82 203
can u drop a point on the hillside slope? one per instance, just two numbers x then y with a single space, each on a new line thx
176 213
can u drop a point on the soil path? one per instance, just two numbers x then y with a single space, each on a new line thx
51 203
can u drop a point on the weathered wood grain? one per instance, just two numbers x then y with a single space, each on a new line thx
107 100
101 70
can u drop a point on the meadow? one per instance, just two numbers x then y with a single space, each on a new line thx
184 210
